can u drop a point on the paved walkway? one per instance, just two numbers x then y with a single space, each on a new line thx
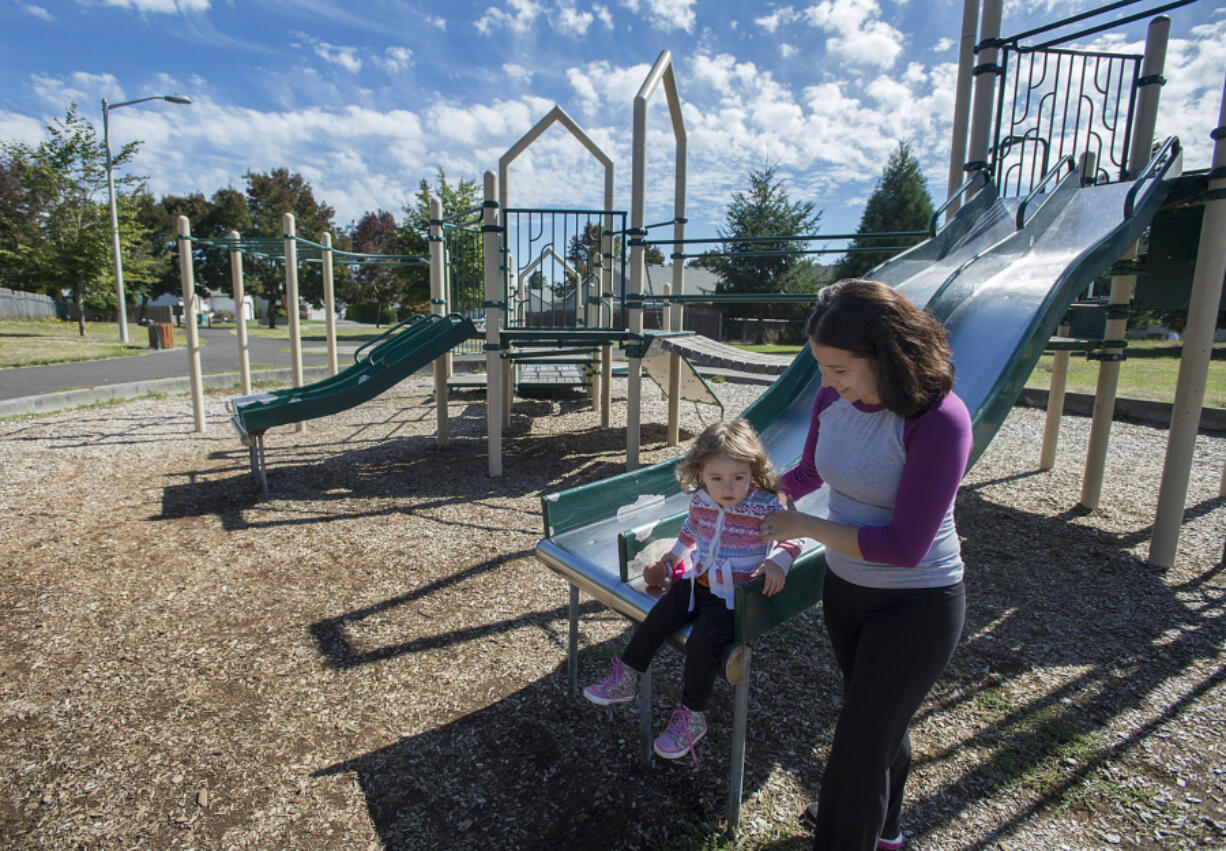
218 354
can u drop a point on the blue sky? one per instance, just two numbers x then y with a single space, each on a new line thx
366 97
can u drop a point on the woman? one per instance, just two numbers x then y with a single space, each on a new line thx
891 439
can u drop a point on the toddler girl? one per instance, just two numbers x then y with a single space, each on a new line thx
734 488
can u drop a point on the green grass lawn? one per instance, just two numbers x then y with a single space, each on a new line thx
314 330
33 342
1149 372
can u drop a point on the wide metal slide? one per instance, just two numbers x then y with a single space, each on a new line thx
1000 275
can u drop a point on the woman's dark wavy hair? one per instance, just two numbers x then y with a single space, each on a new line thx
907 346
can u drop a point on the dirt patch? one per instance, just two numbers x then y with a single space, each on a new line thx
372 657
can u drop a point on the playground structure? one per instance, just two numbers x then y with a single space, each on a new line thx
1002 273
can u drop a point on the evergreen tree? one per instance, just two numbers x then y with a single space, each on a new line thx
764 267
900 202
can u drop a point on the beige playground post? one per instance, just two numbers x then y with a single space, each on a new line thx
240 312
985 88
599 392
962 103
438 306
1060 361
493 366
188 278
661 71
1121 285
676 313
1194 363
291 305
329 302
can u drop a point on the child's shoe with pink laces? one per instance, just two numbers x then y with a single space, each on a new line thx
618 686
685 728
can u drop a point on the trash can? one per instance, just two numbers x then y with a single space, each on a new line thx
155 341
166 335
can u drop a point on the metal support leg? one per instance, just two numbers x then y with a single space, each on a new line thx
255 449
736 770
572 657
645 713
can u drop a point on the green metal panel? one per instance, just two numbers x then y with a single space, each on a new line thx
1169 263
756 613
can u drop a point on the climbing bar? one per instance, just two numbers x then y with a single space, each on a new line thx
1015 40
801 238
720 298
795 252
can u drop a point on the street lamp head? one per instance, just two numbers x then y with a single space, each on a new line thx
177 98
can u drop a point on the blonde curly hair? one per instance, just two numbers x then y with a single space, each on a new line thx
736 439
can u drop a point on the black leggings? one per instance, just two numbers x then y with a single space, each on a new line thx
710 638
891 646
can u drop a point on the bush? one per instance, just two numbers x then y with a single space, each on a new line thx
223 316
369 313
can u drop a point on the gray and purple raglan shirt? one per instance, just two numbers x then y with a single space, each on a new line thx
894 477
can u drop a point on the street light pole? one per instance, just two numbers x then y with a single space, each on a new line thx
121 305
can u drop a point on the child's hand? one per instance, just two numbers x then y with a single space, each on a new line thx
775 577
655 574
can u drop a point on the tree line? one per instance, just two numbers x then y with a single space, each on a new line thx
55 230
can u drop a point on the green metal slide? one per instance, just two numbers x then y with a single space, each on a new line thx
393 356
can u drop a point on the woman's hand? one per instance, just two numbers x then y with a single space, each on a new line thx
785 526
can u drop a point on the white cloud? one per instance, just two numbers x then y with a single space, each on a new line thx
858 34
38 12
396 59
519 20
601 85
943 45
778 18
22 128
603 15
160 6
518 73
437 22
786 50
666 15
340 55
570 21
80 87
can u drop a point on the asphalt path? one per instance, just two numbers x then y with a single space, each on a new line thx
218 355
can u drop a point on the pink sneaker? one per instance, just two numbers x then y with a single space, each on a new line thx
617 687
894 844
684 730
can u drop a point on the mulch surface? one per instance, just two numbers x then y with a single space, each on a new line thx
371 655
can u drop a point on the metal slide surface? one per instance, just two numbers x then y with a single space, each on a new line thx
1000 290
397 354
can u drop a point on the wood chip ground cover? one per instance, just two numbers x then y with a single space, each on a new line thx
371 657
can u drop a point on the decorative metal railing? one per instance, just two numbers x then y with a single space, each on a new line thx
1055 103
564 268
